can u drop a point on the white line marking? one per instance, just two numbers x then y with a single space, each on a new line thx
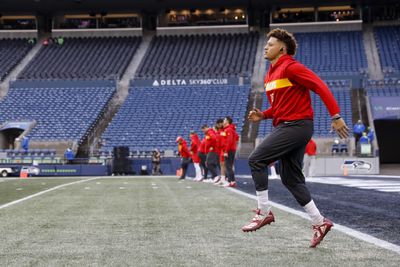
44 192
348 231
121 187
390 190
378 175
378 185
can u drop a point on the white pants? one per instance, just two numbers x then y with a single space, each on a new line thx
309 166
198 170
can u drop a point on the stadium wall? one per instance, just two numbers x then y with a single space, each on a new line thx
18 34
87 33
336 26
190 30
325 166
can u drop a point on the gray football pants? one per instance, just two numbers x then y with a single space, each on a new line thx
286 143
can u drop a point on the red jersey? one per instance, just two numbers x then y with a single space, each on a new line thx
311 148
211 144
194 148
202 147
287 85
183 150
230 138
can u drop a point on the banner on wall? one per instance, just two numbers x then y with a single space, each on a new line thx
385 107
185 81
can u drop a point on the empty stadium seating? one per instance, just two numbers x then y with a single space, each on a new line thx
64 113
332 53
200 55
387 87
82 58
322 122
152 117
12 51
388 44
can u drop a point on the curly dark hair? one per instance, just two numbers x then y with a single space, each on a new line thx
286 37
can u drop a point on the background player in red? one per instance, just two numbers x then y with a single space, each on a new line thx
229 149
211 148
185 155
194 150
287 85
219 131
203 157
309 158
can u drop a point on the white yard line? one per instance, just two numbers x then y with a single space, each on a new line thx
44 192
348 231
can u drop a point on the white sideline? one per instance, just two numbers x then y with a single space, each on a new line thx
44 192
348 231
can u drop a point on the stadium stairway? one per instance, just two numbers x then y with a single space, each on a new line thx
250 130
5 85
359 106
92 142
374 66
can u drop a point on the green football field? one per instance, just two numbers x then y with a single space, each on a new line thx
157 222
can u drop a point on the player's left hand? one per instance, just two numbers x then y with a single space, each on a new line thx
339 125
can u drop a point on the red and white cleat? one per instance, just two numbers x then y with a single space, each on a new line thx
259 221
320 232
216 179
231 184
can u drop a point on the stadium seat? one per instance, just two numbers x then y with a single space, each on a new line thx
82 58
217 55
12 51
152 117
60 113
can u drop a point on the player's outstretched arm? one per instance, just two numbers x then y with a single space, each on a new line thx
339 125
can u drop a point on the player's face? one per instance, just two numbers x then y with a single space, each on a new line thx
272 48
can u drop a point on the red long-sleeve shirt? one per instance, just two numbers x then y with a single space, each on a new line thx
230 138
194 148
183 150
202 147
211 144
287 84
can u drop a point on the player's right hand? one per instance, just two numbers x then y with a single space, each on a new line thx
256 115
339 125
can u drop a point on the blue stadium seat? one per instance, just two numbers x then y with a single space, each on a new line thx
217 55
61 113
332 53
387 41
152 117
82 58
12 51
